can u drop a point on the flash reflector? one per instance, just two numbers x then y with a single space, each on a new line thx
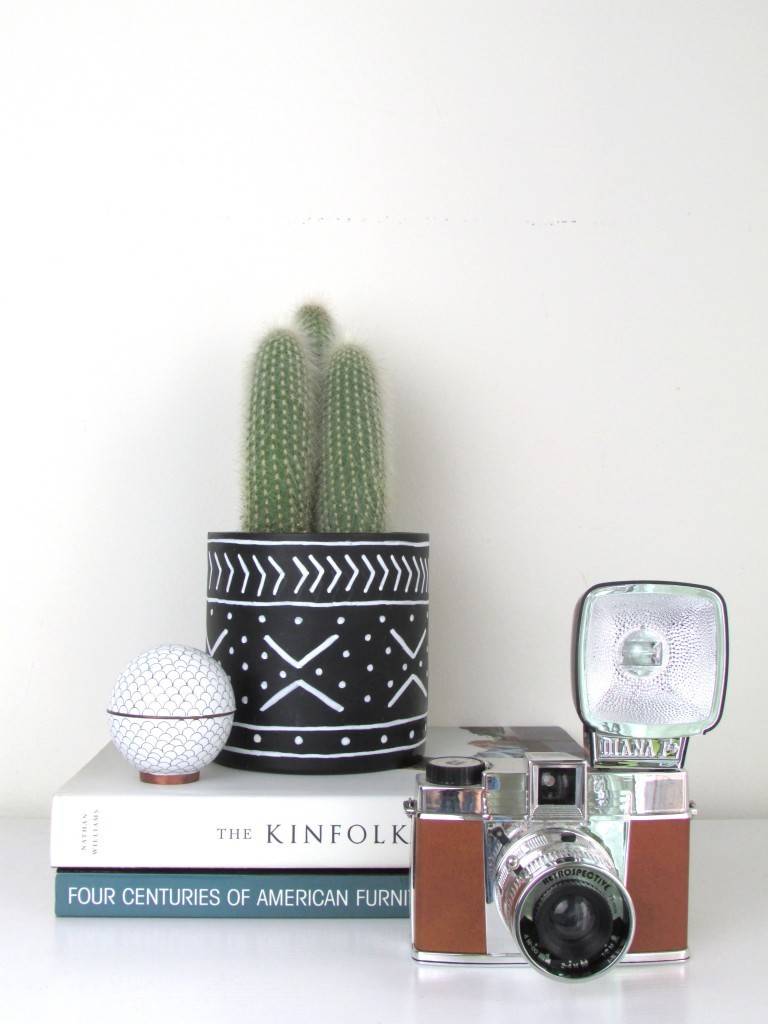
651 663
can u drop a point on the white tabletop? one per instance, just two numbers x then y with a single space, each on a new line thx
216 970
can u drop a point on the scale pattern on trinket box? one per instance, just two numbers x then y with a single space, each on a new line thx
326 643
171 710
170 746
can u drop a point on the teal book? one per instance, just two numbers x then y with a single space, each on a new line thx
232 894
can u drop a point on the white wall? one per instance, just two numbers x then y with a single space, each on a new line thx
548 220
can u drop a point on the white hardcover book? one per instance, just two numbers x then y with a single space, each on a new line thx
105 817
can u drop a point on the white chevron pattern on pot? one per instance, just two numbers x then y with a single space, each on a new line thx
412 571
398 570
404 645
219 638
280 573
246 573
355 571
310 656
413 678
372 572
231 571
408 569
304 573
299 684
337 570
263 575
385 573
320 573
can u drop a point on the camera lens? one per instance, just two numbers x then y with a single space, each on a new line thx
568 917
559 894
572 922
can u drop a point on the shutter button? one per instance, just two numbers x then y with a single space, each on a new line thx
455 771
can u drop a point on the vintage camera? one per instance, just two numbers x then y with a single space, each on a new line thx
576 859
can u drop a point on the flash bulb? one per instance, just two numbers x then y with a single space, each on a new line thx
651 659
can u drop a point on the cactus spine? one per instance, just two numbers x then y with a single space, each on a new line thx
316 325
351 486
278 469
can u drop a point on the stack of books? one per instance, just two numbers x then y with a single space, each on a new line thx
248 844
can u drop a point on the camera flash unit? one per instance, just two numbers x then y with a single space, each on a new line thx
651 667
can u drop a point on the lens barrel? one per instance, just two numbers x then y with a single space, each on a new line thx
558 893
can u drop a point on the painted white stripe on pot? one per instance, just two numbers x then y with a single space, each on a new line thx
299 663
300 684
280 572
263 574
372 572
311 604
409 571
384 575
320 573
398 570
361 753
355 571
212 650
328 728
323 543
246 572
304 573
231 572
411 679
335 579
404 645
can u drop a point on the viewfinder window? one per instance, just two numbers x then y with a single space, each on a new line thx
557 785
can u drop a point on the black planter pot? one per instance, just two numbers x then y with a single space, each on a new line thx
324 637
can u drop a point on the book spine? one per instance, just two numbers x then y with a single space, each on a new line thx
163 830
231 894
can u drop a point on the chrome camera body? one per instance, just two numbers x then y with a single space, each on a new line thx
576 860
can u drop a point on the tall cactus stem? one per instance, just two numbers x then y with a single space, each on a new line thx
351 482
278 460
315 325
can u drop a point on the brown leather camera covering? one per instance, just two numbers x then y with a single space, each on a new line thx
449 886
657 880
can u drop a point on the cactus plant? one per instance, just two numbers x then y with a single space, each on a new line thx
314 444
314 466
278 460
351 485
